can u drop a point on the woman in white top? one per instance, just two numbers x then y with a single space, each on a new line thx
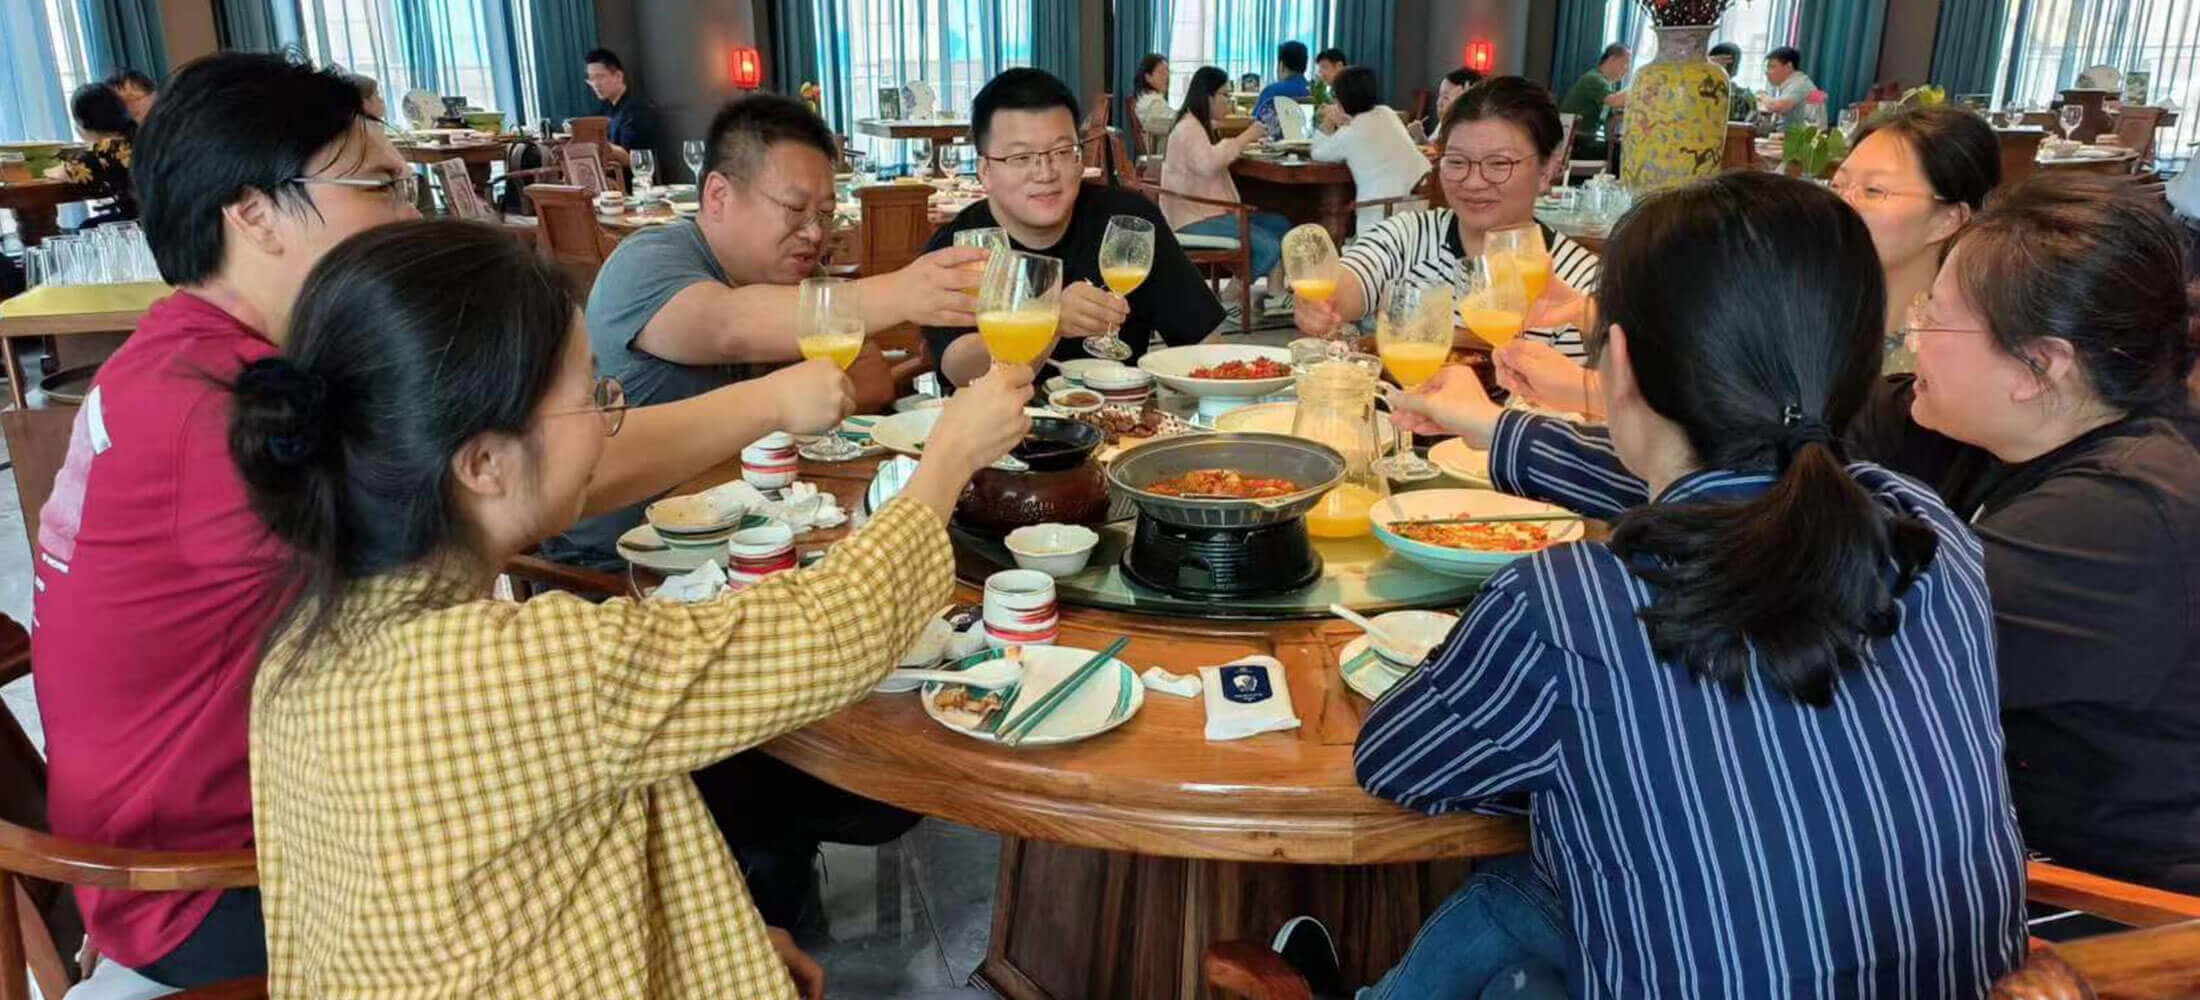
1151 106
1372 140
1198 165
1497 140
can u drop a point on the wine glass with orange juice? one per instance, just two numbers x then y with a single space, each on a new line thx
1522 248
829 325
1413 338
992 239
1310 263
1494 305
1019 304
1126 255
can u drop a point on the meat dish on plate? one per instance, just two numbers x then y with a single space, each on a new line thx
1223 483
1511 536
1255 369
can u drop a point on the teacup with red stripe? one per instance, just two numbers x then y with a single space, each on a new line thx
754 553
769 463
1020 609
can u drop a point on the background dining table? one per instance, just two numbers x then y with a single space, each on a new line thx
1125 856
36 205
1298 189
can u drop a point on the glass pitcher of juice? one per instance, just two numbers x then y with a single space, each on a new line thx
1337 408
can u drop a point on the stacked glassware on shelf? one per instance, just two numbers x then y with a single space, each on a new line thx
113 253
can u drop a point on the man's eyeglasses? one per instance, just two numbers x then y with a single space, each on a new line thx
607 399
797 216
1496 169
1062 157
402 189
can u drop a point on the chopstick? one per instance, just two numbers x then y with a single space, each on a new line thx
1507 519
1014 730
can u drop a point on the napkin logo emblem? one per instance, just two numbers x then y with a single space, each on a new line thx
1246 685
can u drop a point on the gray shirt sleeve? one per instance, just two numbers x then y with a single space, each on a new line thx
644 273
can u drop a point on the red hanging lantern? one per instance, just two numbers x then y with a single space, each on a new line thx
1481 56
748 68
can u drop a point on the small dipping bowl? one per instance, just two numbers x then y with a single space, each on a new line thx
691 522
1075 401
1058 550
1123 386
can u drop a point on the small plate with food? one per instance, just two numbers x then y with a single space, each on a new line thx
1107 699
1469 533
1468 465
1237 371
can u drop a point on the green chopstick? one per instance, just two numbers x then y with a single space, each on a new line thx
1014 730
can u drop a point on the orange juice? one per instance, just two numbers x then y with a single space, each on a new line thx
1314 289
1019 337
1123 280
842 348
1496 327
1414 362
1535 274
1341 512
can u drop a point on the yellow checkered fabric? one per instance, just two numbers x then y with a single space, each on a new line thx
475 798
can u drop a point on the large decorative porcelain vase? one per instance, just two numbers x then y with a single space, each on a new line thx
1676 114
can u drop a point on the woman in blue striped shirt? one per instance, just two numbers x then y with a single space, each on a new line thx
1757 729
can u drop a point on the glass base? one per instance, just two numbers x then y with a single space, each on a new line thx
831 448
1405 468
1108 348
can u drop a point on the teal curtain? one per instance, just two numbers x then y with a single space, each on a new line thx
1139 27
564 31
257 25
1248 31
32 105
1576 42
123 34
792 59
416 30
1840 45
1367 31
1967 45
1054 48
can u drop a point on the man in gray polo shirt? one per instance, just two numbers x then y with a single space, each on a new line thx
687 308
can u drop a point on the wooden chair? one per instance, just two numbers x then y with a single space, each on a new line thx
2135 130
585 168
1423 104
896 226
570 234
1216 257
2157 961
1139 140
40 931
2020 149
1424 194
1741 147
594 128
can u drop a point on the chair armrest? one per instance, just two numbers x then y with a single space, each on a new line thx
536 569
1249 970
56 859
2137 905
1237 207
2155 962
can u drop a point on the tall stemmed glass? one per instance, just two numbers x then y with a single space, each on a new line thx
2073 115
921 151
829 322
1522 248
645 169
692 152
1019 305
1413 337
1494 306
1310 264
1126 256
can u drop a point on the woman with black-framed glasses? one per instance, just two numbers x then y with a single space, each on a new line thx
2050 409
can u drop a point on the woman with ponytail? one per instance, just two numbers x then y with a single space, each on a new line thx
462 797
2050 409
1756 729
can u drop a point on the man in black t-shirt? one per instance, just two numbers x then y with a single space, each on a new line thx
1024 124
633 122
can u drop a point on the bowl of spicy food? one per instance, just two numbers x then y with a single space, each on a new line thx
1229 370
1438 530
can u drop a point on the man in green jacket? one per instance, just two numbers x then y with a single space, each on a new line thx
1592 99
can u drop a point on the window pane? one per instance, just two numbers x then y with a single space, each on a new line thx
2052 41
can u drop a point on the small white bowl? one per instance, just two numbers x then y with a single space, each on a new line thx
1059 400
1058 550
1425 627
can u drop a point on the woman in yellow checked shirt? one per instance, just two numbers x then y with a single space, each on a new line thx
456 796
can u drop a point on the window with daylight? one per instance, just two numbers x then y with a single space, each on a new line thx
1757 26
954 45
451 48
2049 42
42 51
1239 35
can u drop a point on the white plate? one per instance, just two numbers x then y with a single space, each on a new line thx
1093 709
668 561
905 432
1468 465
1372 678
1075 368
1422 505
1174 367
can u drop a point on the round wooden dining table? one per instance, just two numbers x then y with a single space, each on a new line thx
1125 856
1298 189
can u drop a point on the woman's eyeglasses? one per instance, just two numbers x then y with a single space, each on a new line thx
607 399
402 189
1918 319
1872 194
1496 169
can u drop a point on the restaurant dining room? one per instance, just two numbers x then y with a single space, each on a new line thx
1099 499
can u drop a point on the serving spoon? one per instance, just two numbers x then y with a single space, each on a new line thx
988 676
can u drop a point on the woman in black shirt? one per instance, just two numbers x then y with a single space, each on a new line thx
2049 408
105 121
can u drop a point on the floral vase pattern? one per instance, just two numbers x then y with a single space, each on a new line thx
1676 114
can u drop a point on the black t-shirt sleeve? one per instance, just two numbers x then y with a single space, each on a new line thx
1174 302
641 126
2088 590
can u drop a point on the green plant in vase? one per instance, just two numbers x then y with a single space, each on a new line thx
1813 151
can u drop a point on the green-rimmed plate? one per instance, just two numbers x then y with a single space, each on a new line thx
1108 698
1366 673
1430 505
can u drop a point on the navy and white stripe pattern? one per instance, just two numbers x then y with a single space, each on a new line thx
1717 845
1424 247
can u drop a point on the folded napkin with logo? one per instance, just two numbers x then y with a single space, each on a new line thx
1247 697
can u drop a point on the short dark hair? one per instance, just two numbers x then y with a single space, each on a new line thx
747 127
1463 77
131 77
1355 89
1292 56
1515 99
231 123
1146 64
1761 354
1020 89
1728 49
1786 54
407 341
1614 51
2096 261
1959 151
97 108
1332 54
604 58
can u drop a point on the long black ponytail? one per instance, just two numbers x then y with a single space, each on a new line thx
1761 347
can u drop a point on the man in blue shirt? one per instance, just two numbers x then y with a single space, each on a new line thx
633 118
1290 78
